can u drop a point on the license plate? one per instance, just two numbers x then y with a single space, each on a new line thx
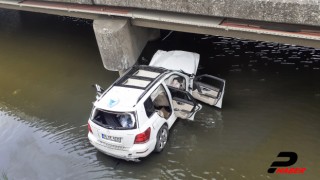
111 138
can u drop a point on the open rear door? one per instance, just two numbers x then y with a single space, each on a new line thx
185 106
209 89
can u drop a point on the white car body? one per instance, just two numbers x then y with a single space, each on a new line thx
133 116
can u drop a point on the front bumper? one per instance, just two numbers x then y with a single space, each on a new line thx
129 154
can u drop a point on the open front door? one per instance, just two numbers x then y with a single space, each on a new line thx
185 106
209 89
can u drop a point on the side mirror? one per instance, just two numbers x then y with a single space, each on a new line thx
99 90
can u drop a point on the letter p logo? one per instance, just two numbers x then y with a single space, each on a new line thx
293 157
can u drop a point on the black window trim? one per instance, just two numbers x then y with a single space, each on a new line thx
154 110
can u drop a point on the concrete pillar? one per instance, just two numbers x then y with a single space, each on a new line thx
121 72
120 43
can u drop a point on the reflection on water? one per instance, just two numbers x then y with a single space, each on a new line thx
32 152
47 66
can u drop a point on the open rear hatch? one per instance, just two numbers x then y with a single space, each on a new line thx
114 130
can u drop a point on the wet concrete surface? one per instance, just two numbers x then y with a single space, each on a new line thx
47 66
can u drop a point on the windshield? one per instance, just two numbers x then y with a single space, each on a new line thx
114 120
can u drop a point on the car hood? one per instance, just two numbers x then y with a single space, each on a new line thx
176 60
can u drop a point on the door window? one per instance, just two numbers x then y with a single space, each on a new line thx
149 107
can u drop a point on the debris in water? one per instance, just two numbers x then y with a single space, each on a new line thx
16 92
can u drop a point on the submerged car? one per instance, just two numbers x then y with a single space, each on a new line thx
133 116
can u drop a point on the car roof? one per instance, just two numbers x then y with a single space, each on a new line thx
120 99
127 91
140 77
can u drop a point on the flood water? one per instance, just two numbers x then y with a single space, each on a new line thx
47 67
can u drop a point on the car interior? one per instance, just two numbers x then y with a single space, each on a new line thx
110 120
207 90
161 102
176 81
183 104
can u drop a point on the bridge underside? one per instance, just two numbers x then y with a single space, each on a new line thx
136 24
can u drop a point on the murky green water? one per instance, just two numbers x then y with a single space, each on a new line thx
47 66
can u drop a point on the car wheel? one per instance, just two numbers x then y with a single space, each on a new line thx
162 138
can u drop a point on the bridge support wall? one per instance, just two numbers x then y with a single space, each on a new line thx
120 43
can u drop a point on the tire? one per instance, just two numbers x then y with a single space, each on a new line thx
162 138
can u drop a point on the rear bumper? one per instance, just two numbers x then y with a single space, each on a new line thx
130 154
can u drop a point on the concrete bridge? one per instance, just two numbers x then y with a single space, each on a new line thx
123 27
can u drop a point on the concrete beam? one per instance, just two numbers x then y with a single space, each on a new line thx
260 35
74 1
283 11
16 5
120 43
257 30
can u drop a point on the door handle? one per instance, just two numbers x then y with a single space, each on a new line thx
180 103
205 89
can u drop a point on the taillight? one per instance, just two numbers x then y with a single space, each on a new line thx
89 127
143 137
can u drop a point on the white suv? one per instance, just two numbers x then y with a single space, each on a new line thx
133 116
